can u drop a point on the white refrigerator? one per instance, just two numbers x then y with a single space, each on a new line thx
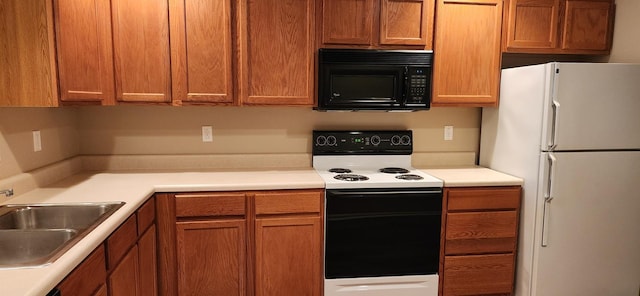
572 132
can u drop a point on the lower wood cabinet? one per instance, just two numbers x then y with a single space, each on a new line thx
241 243
124 265
479 244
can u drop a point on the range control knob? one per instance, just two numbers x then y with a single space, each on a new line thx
405 140
331 141
395 140
321 140
375 140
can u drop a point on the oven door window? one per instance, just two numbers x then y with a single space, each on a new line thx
373 233
364 86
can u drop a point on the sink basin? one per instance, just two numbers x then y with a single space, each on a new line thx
37 234
32 247
54 216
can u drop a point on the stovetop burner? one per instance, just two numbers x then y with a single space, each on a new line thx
340 170
393 170
409 177
350 177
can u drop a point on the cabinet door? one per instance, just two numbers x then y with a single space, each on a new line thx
27 54
141 50
211 257
85 55
406 22
88 278
124 279
531 24
347 22
587 25
277 68
148 263
478 275
467 53
288 256
201 50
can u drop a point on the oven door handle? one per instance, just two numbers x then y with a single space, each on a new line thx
338 192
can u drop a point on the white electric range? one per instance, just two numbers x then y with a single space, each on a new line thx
382 217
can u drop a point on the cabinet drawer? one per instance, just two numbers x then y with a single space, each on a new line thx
478 275
483 199
146 215
210 204
283 202
120 241
481 232
87 277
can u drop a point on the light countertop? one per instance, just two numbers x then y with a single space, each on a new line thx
135 187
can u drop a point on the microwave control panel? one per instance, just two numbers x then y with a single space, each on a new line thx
418 82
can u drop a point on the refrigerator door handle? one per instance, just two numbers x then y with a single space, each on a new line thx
548 198
555 106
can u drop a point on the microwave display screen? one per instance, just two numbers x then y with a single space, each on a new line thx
351 87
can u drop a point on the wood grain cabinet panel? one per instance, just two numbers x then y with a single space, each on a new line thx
347 22
478 275
479 241
201 51
531 24
27 54
406 22
467 59
558 26
211 257
141 50
287 250
89 278
588 25
84 48
124 279
277 48
148 263
377 23
273 246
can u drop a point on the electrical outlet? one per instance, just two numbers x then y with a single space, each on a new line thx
207 133
448 133
37 141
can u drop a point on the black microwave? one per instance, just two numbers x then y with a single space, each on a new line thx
364 79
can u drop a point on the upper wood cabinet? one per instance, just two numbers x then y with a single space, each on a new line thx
467 55
84 48
141 50
27 54
201 51
558 26
377 23
277 52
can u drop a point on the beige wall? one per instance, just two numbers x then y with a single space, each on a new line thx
58 129
166 130
626 40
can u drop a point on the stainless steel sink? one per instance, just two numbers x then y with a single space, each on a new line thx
54 216
37 234
33 247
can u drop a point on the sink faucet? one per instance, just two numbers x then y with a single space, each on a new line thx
7 192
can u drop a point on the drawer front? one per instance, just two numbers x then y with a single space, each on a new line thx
288 202
478 275
481 232
483 199
146 215
121 241
210 204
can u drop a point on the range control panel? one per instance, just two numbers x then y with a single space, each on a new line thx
362 142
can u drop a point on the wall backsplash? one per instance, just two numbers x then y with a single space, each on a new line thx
162 130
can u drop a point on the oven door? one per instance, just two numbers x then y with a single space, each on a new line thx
382 232
354 87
